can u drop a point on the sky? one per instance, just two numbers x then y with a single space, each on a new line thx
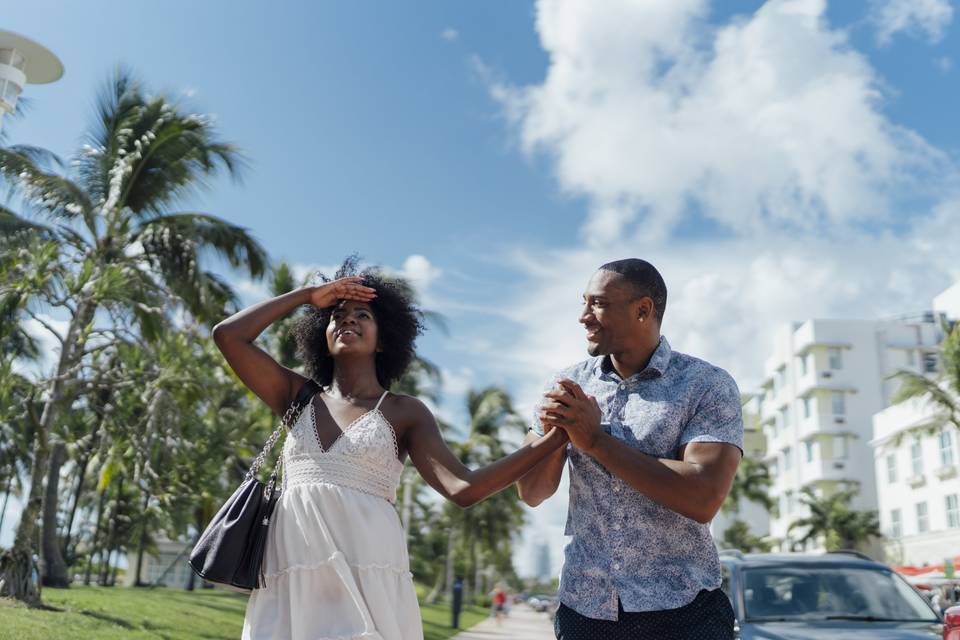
775 160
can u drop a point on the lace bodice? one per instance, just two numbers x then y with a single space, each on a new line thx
364 457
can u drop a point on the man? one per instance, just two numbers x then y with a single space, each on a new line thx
655 440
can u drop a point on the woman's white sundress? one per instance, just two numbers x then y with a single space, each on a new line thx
336 564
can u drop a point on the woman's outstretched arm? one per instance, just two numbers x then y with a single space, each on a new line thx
455 481
272 382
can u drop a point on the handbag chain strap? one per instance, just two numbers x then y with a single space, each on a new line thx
293 411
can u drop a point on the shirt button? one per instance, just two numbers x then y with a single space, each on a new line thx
616 527
616 487
616 565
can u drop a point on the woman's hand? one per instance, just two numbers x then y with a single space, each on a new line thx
350 288
570 409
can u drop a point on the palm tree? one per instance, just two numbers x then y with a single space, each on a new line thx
114 243
942 393
738 536
832 519
752 482
484 532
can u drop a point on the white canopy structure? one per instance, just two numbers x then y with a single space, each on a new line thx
22 62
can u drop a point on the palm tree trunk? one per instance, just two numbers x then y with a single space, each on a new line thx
16 564
96 536
111 534
142 543
6 497
68 529
55 568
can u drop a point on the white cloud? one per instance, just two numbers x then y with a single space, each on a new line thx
926 17
944 63
766 135
420 272
768 120
449 34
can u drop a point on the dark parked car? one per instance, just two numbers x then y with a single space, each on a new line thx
796 596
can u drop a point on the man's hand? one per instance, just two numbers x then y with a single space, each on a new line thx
570 409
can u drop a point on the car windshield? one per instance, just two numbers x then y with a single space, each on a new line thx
819 592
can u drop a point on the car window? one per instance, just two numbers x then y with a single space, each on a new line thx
725 580
823 592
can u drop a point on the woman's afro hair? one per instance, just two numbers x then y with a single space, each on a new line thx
399 322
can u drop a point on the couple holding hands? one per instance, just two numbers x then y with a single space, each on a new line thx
652 438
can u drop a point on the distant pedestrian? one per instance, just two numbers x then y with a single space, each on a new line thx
499 603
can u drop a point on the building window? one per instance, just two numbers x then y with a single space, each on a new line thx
911 357
839 401
791 502
929 363
803 366
774 468
809 447
781 379
923 520
892 468
946 449
896 523
836 358
807 407
916 455
785 417
953 511
787 459
840 448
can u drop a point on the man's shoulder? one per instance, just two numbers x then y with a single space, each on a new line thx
692 367
578 371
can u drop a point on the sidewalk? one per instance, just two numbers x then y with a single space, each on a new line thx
523 623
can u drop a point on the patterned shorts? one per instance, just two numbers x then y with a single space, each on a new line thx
708 617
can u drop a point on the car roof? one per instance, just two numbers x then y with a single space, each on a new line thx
837 558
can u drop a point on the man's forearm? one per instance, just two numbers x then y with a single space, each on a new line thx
677 485
542 480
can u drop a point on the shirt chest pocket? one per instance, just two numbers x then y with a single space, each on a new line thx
654 427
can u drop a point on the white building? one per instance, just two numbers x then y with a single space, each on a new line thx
919 488
919 491
824 381
168 567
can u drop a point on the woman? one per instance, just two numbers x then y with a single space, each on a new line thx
336 565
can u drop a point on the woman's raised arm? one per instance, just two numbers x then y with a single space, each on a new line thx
272 382
443 471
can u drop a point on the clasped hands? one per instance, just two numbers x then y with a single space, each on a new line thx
568 408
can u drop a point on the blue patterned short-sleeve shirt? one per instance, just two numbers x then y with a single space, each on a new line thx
624 545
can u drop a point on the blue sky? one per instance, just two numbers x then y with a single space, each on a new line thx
777 160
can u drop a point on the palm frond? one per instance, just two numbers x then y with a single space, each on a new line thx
49 193
11 223
206 232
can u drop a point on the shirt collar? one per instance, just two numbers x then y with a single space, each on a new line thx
657 366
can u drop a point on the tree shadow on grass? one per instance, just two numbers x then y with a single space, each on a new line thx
107 618
199 602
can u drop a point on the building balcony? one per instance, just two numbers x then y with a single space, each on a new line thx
946 471
823 425
827 470
917 480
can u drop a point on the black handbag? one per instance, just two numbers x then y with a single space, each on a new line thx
230 550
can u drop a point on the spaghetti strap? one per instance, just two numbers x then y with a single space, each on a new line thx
381 399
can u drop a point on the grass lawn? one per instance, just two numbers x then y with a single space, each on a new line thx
118 613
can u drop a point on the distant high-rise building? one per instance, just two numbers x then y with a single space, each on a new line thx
544 568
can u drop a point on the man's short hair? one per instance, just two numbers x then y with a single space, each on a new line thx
645 279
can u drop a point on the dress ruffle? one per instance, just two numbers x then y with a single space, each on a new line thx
336 568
